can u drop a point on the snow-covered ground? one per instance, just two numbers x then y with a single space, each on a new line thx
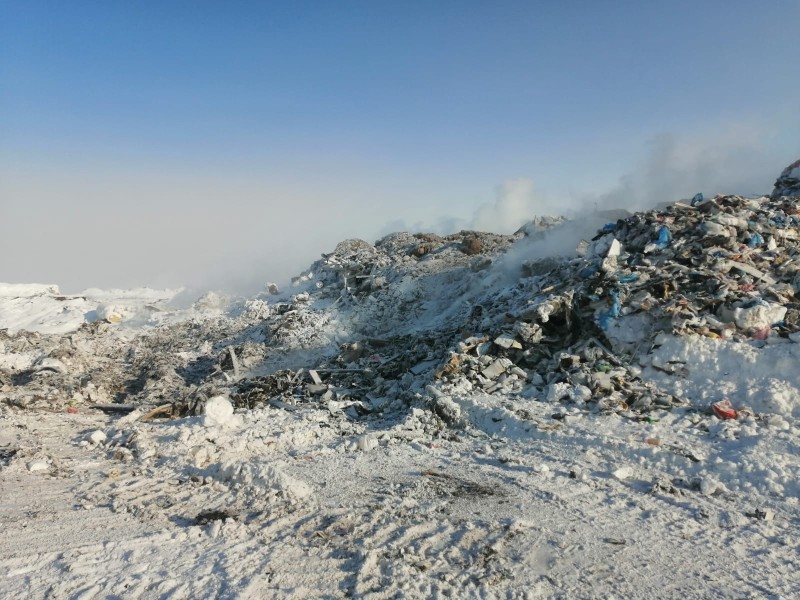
43 309
360 462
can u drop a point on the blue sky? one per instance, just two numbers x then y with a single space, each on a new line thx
162 143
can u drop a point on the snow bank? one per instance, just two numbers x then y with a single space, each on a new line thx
26 290
765 379
41 308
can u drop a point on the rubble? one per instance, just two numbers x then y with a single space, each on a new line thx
788 183
368 327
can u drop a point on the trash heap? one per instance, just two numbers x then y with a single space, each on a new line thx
416 319
369 320
788 184
727 267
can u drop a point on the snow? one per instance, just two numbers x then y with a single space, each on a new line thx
764 379
43 309
219 412
25 290
563 506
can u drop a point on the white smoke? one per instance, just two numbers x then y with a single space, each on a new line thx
738 159
516 202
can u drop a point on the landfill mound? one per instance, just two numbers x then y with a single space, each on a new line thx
788 183
376 328
472 415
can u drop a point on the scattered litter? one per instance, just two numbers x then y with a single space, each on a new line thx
615 541
763 514
724 409
209 516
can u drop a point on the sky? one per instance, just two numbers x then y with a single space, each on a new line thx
228 144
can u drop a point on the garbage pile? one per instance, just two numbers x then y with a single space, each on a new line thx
415 319
725 268
788 184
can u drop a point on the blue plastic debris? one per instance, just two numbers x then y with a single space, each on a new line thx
697 199
615 307
779 220
628 278
587 272
664 237
755 240
609 227
604 317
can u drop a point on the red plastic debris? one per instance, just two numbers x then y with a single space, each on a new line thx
72 410
762 334
724 409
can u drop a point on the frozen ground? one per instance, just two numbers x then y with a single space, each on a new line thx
520 505
360 463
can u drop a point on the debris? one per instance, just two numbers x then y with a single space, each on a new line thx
448 411
164 409
218 411
724 409
615 541
757 314
788 183
763 514
578 474
50 364
234 362
507 342
465 342
209 516
623 473
110 313
113 408
96 438
496 368
664 485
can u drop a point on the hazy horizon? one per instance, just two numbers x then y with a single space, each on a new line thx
227 146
